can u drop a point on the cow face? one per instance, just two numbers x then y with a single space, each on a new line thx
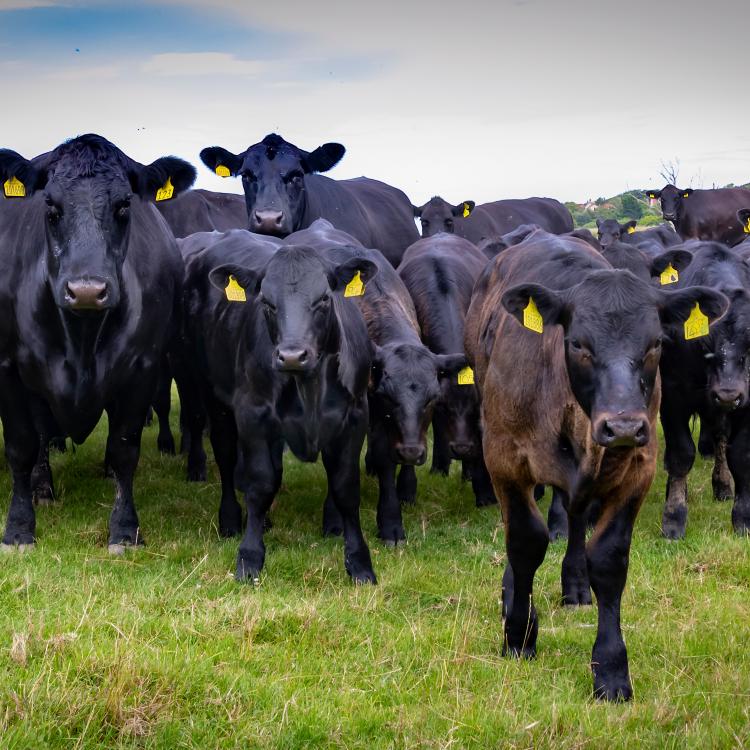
438 215
727 354
611 231
273 178
671 199
613 325
296 292
405 389
457 413
89 187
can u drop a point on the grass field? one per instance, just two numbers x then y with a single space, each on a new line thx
162 649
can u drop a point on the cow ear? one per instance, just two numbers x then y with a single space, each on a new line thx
599 223
164 179
534 304
628 227
417 210
463 209
450 364
235 281
687 192
19 177
743 216
324 157
653 194
678 259
677 307
352 276
216 157
376 368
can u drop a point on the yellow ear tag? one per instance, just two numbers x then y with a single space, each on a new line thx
531 317
696 325
669 275
685 195
466 376
652 196
166 192
747 227
14 188
234 292
222 171
631 230
355 288
467 211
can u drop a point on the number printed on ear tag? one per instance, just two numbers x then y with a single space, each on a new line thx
531 317
669 275
234 292
355 288
14 188
166 192
466 376
697 324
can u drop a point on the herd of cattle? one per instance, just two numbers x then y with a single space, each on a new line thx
541 355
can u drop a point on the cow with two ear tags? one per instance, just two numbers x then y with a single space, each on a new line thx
404 383
284 193
566 353
283 358
94 275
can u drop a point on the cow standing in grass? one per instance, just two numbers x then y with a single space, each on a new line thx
283 358
93 274
566 353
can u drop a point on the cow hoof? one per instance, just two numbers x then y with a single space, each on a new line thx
196 475
21 548
333 529
166 446
577 596
394 539
408 499
673 523
359 568
43 497
740 522
613 691
523 652
723 494
440 470
485 501
365 578
116 549
248 568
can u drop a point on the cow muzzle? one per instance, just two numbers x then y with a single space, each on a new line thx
268 222
294 359
726 399
87 294
621 431
461 450
413 454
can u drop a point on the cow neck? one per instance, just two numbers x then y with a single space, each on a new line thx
83 336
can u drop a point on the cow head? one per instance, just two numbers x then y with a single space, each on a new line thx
405 388
457 415
614 324
743 216
273 178
671 199
437 215
298 295
89 187
611 231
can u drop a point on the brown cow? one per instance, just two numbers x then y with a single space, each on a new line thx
576 408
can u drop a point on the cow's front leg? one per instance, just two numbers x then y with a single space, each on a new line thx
738 459
575 577
263 473
607 554
406 485
526 540
679 454
224 443
390 522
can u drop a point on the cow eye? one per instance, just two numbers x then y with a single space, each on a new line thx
322 302
267 306
122 209
248 176
54 213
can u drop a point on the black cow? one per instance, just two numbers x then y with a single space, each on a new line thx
94 275
440 272
283 357
283 194
404 384
566 354
492 219
709 376
204 211
667 265
610 230
704 214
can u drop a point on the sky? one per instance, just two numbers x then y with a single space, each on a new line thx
479 101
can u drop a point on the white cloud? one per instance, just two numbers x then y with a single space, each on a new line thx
202 64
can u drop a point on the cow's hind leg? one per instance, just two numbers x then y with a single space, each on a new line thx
738 458
526 540
162 405
264 469
441 454
679 454
390 521
575 577
224 443
481 484
557 516
607 554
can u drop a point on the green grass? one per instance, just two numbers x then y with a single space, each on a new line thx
162 649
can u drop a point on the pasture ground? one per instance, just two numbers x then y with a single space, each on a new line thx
162 649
